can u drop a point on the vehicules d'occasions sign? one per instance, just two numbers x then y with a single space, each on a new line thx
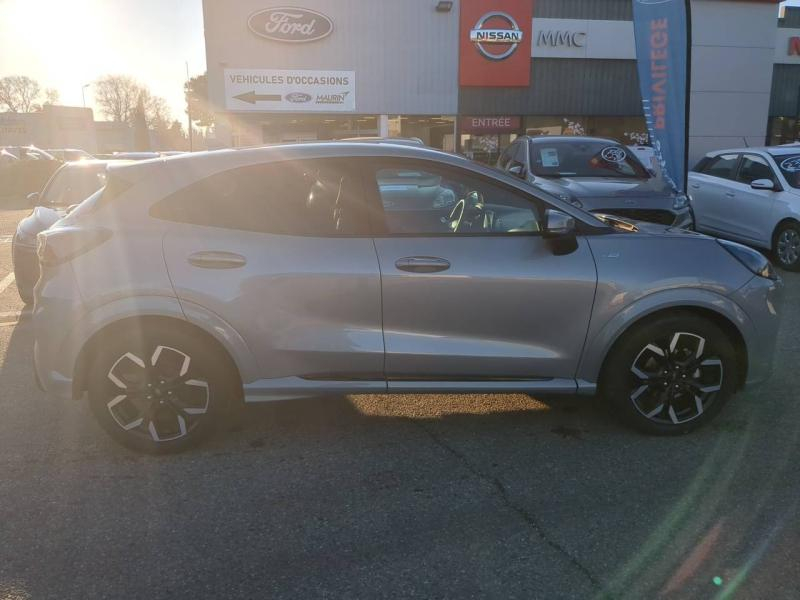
290 24
266 90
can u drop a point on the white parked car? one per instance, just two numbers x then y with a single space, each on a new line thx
751 195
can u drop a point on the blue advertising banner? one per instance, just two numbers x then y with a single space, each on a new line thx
662 29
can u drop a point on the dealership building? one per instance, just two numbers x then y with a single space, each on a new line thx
293 70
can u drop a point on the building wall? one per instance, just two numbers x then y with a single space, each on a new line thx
404 53
51 127
732 55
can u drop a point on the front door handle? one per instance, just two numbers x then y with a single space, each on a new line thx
730 194
422 264
217 260
694 186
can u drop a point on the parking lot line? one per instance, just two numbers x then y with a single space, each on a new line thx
6 281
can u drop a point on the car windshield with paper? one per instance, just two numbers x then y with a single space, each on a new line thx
563 158
790 168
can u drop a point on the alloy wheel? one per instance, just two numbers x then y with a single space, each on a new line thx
155 396
675 379
789 246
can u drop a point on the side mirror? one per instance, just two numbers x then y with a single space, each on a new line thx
517 170
558 224
763 184
33 199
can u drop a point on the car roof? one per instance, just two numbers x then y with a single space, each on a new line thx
570 138
774 150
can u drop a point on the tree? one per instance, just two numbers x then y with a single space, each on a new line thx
18 93
141 134
51 96
197 103
119 96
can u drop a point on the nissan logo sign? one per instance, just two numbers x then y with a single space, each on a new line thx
485 37
290 24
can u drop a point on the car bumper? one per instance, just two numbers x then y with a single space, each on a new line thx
761 299
57 307
681 219
26 266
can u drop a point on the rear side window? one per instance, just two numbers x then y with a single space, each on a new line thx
317 197
723 166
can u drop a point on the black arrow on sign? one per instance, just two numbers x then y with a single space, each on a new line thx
252 97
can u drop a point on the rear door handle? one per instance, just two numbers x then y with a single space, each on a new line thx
730 194
422 264
217 260
694 186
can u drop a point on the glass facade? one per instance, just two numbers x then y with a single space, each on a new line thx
487 146
782 130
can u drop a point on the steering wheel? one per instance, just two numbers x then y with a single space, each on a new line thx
454 222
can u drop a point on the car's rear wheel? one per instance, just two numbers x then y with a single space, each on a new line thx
670 375
159 390
786 246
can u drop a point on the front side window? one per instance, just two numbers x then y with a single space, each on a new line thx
313 197
723 166
72 185
580 158
423 199
754 167
789 164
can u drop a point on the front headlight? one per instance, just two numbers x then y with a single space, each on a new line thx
753 260
680 202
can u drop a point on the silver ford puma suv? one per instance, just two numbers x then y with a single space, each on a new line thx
194 282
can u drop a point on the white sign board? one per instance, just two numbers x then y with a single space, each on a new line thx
787 46
579 38
290 90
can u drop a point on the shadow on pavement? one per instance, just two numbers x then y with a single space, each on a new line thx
434 496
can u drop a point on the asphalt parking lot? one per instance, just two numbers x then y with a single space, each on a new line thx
400 496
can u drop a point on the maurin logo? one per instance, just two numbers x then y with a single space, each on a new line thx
332 98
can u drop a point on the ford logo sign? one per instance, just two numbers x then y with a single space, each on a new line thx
299 97
290 24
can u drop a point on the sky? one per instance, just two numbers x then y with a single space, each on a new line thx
65 44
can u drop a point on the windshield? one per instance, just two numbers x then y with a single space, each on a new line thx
73 185
578 158
790 168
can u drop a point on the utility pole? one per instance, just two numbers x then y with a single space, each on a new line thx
189 112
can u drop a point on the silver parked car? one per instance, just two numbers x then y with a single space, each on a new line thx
751 195
195 281
599 175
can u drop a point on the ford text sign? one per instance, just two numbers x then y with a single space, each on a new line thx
290 24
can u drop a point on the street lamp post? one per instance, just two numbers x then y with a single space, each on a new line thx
83 93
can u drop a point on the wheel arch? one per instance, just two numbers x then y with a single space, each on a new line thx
129 326
721 320
777 228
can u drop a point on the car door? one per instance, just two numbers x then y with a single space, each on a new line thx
282 252
749 214
711 188
484 299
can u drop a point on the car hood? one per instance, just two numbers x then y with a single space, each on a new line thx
605 187
40 219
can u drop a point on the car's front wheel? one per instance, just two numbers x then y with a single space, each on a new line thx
159 390
786 246
670 375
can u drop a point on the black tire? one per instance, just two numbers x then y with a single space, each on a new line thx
178 403
786 246
669 404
